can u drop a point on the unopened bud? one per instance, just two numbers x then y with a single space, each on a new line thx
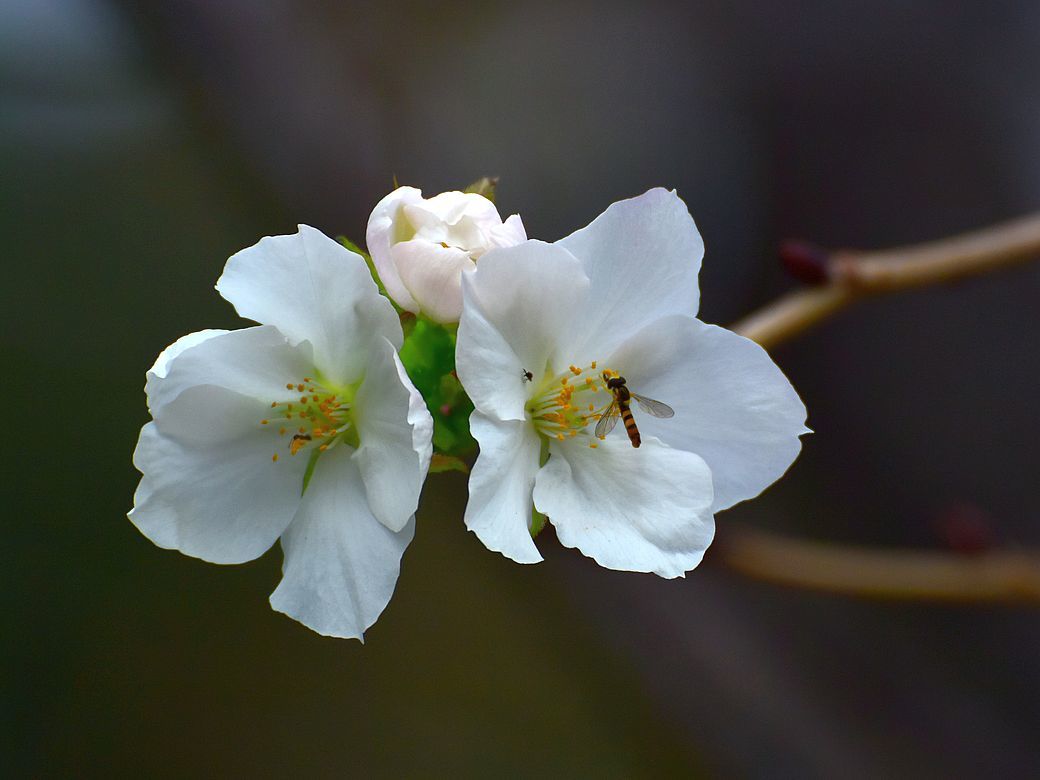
806 262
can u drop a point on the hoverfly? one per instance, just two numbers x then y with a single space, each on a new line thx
619 407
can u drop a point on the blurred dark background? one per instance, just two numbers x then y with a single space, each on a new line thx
143 143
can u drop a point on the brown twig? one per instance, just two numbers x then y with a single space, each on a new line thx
998 575
994 576
855 275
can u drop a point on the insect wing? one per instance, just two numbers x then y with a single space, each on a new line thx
653 408
608 420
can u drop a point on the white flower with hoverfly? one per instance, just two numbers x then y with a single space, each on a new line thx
558 341
304 428
422 246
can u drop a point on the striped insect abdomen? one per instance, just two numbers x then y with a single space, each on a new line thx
630 423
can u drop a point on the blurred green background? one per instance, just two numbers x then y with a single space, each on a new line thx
142 144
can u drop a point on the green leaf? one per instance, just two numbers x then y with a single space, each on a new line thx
486 186
428 355
441 463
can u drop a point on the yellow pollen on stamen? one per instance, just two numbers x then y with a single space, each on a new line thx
274 458
593 364
319 415
593 444
559 410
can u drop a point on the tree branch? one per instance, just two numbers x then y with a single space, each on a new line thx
999 575
852 275
995 576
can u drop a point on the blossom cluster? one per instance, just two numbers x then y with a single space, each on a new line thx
459 335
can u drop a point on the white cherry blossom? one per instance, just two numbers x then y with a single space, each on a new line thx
422 246
304 428
618 296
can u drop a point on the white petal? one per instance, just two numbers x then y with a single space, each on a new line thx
733 406
432 274
387 226
642 256
452 207
162 363
257 362
419 418
499 507
646 509
341 564
210 488
395 438
518 311
509 233
312 288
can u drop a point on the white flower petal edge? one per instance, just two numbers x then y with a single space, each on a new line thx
390 423
500 485
422 247
213 493
312 288
244 420
516 318
733 406
341 563
646 509
162 363
642 257
386 227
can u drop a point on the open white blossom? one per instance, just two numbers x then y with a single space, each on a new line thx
542 322
421 247
305 428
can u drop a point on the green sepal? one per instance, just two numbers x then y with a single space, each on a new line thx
441 463
537 522
486 186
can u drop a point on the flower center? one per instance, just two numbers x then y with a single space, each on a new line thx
316 419
566 403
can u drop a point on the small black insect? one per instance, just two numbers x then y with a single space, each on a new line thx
527 375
